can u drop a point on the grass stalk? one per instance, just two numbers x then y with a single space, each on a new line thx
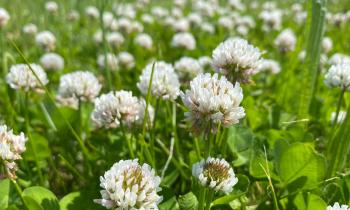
75 134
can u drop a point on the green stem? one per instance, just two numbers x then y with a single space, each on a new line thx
27 124
176 138
104 42
47 116
209 198
19 190
131 151
153 132
339 104
80 141
201 199
198 150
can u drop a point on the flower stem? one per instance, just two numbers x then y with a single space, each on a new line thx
339 104
128 141
104 42
201 198
209 198
47 116
27 124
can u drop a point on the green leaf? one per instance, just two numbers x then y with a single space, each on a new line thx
4 193
32 204
256 161
170 204
309 202
240 142
45 198
39 148
301 161
188 201
79 200
68 200
338 146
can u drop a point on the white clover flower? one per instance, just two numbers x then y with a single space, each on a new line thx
159 12
147 18
126 60
237 5
338 76
73 15
187 68
236 59
302 56
46 40
207 27
150 115
176 12
286 41
300 18
226 22
181 25
52 61
76 87
339 58
327 44
114 26
128 185
195 19
269 65
242 30
112 62
213 99
180 3
92 12
98 37
341 117
336 206
107 19
115 39
30 29
144 40
216 174
4 17
246 21
136 27
165 82
337 19
22 77
205 61
184 40
125 25
116 108
272 20
51 7
205 8
11 148
125 10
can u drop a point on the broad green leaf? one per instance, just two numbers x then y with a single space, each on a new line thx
68 200
170 178
309 202
256 161
188 201
32 204
300 160
38 148
45 198
240 142
170 204
4 193
79 200
338 147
